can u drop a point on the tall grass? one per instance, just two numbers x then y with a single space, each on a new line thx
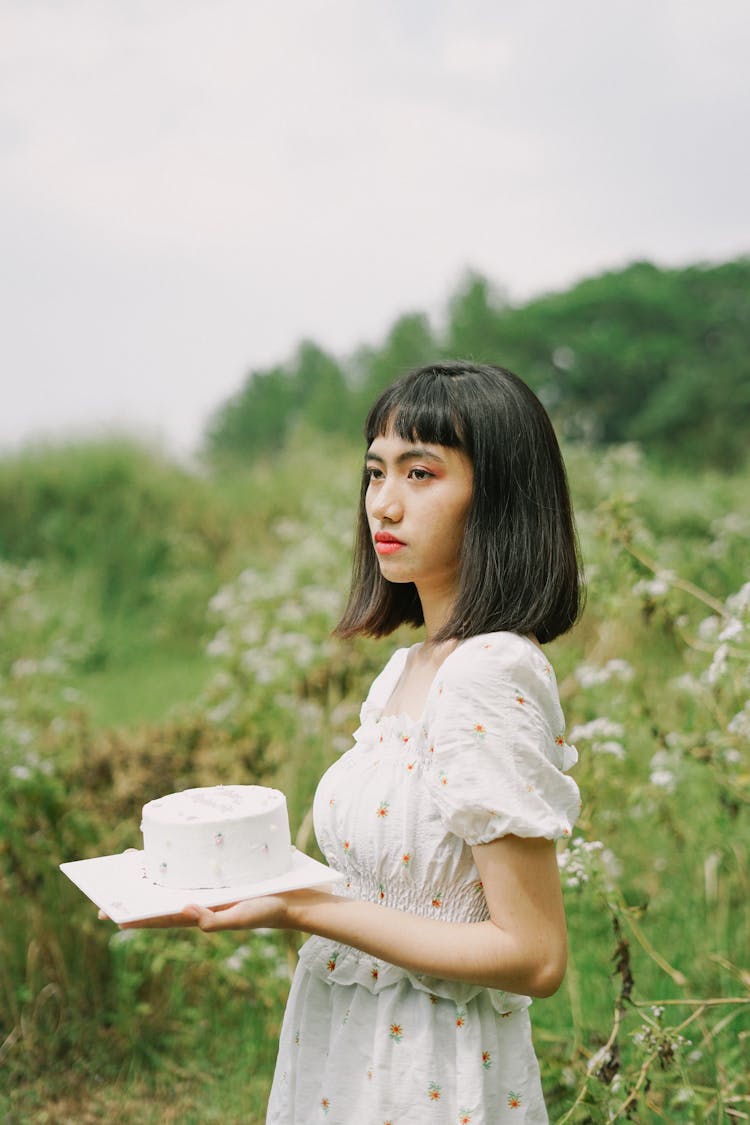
653 1022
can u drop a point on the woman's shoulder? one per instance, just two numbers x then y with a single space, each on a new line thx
500 667
497 654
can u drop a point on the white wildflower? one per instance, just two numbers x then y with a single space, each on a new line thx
581 861
732 630
591 675
220 645
24 667
718 665
739 603
656 587
740 723
686 683
251 633
221 712
237 959
598 1059
609 746
596 728
221 601
708 628
664 779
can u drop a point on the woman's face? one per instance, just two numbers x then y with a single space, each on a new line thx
417 501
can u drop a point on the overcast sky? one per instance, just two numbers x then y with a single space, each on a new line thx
189 187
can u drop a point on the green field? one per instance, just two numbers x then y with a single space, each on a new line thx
163 628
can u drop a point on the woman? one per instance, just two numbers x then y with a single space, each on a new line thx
410 1002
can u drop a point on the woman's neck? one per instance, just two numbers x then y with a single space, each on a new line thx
437 606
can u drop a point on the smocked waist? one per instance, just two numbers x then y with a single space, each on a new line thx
463 903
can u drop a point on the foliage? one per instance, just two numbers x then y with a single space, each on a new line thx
654 1020
644 354
136 527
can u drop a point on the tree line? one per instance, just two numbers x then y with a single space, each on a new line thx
656 356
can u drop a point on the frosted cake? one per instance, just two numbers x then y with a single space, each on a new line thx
216 837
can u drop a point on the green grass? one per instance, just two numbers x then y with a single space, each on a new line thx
145 684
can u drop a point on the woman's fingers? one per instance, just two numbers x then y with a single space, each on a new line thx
186 917
245 915
249 914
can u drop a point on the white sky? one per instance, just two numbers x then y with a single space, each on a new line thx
189 187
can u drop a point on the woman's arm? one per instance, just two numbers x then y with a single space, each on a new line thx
521 948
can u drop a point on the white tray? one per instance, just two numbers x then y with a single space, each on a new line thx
119 886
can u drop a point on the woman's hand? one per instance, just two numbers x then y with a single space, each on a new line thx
268 912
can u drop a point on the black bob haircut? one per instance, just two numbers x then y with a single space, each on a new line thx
519 567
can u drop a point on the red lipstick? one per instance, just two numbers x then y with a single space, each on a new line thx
387 544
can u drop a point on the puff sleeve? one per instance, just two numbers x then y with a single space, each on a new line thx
496 750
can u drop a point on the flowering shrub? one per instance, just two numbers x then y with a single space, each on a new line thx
658 706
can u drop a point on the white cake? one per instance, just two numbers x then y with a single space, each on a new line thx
216 837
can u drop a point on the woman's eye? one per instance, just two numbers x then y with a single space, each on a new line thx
373 473
421 474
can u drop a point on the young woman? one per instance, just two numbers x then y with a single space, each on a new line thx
410 1002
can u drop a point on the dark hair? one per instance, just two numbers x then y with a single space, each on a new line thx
519 562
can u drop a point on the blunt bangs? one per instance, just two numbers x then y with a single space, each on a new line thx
421 407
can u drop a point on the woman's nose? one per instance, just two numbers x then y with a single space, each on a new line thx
386 504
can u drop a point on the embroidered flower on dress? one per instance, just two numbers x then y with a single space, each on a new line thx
433 1092
325 1104
406 859
437 899
460 1018
331 962
514 1100
397 1032
486 1060
464 1117
382 810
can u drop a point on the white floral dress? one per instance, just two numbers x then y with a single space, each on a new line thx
369 1043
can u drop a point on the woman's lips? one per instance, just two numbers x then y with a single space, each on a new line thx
386 544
